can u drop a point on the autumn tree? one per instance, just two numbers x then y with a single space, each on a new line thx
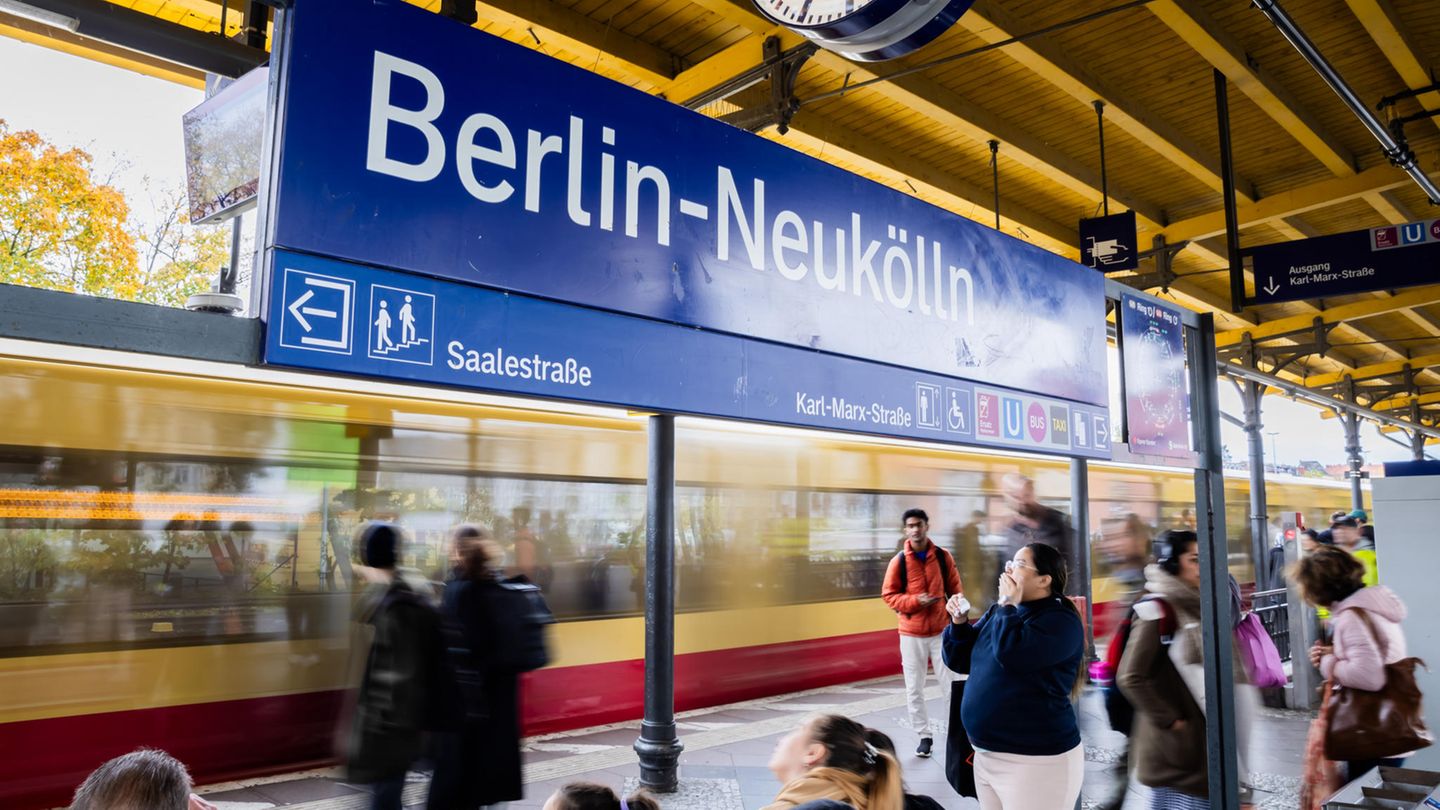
59 228
178 259
63 229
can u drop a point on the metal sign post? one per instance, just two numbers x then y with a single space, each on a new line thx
659 745
1215 619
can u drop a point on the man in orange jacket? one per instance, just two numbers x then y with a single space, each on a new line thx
917 583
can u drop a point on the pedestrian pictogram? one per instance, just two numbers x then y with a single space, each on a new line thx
927 405
317 313
402 325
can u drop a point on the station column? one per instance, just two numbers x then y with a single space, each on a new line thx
1354 458
659 746
1252 394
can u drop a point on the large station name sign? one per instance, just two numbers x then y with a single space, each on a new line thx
1384 258
415 144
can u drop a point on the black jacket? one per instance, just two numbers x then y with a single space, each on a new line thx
481 764
403 682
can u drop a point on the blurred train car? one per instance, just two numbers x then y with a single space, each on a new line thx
175 567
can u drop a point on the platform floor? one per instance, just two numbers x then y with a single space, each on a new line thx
727 748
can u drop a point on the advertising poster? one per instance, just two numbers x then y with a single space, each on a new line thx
1157 403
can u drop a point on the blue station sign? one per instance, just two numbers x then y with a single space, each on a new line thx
416 144
336 316
1384 258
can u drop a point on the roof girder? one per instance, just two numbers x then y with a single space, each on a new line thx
1296 201
1335 315
1374 371
993 24
944 106
583 37
1187 19
1385 27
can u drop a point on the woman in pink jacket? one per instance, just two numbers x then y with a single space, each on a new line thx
1359 649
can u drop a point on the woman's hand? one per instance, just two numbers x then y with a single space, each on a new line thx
1009 590
959 609
1318 652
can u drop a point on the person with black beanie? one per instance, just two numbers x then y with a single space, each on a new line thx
404 689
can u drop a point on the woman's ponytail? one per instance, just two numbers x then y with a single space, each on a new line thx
887 791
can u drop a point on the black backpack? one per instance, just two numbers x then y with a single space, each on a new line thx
940 554
522 621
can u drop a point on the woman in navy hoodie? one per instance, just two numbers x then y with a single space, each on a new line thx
1024 657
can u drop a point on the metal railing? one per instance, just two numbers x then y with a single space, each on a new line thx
1273 609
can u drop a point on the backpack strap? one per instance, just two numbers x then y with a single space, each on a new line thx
946 563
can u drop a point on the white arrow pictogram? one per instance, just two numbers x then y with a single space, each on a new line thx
1273 287
296 309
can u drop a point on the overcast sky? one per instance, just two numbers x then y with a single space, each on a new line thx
131 125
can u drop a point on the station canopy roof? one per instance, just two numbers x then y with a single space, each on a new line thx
1026 73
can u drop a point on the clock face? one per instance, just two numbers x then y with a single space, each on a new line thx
810 13
866 30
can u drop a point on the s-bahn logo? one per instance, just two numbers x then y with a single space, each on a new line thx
402 325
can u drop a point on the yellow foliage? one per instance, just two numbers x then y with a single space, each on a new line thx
61 229
58 227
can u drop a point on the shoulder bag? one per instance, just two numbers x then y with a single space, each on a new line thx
1378 725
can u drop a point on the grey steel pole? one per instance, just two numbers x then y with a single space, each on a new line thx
659 745
1417 446
1304 678
1215 619
1355 459
1080 556
1253 394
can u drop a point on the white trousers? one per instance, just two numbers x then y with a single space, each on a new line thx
915 653
1017 782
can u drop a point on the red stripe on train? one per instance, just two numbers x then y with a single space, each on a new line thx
42 761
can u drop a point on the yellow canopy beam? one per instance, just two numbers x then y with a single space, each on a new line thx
579 35
94 50
1385 27
992 24
1296 201
1361 309
1374 371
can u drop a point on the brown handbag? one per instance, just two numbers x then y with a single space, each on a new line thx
1377 725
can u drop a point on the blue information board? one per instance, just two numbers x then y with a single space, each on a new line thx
336 316
1384 258
415 143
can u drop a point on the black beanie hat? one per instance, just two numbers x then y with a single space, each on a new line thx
379 545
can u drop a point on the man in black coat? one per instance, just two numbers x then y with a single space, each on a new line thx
1035 523
397 699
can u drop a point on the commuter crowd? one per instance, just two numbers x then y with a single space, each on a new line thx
440 677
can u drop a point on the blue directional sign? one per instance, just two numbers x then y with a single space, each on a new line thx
1384 258
316 315
413 142
474 338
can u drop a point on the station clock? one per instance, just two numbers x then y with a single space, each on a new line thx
866 30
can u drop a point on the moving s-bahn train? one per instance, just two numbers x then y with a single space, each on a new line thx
176 569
